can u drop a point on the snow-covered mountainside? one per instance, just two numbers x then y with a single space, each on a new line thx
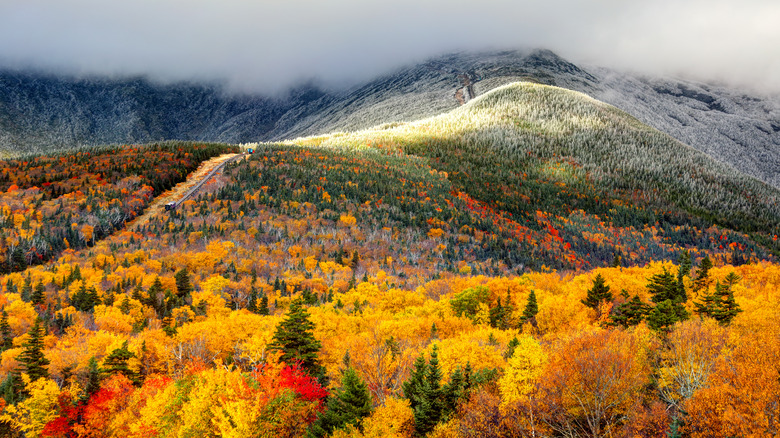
40 113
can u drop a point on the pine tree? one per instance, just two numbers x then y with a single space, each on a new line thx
683 270
729 308
662 317
598 294
27 290
669 301
32 360
18 260
155 297
6 336
616 261
38 295
346 406
183 285
663 287
424 394
116 362
263 309
456 391
294 338
251 304
630 313
531 309
430 401
497 315
702 279
94 376
720 305
510 348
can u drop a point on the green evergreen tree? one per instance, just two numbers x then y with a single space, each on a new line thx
684 265
531 309
18 260
6 336
94 377
183 284
663 316
251 304
31 359
27 290
729 308
630 313
616 260
430 401
38 295
669 300
720 305
116 362
456 390
663 287
497 316
702 279
124 306
347 405
597 294
510 348
294 338
263 309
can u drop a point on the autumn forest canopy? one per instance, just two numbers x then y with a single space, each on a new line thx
534 263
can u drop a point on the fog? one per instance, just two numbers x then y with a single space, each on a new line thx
269 45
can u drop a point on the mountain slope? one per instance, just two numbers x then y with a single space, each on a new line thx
39 112
527 150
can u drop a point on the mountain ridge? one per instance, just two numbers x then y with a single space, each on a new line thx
40 112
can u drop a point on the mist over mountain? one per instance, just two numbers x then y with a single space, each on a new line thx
41 112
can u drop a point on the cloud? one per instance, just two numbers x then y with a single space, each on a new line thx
271 44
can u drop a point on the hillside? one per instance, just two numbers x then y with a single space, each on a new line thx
41 112
391 270
523 148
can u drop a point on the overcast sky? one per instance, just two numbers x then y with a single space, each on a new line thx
267 45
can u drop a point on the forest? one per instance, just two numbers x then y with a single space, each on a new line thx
383 288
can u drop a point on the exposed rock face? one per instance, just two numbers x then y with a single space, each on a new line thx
39 113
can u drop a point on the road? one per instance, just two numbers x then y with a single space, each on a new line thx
185 189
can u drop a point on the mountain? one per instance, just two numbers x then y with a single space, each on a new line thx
44 112
465 251
549 168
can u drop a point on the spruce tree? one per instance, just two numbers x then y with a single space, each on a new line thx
251 304
664 287
531 309
263 309
510 348
729 308
630 313
702 279
6 336
347 405
116 362
94 376
294 338
430 401
32 360
597 294
497 315
38 295
27 290
662 317
183 285
669 300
